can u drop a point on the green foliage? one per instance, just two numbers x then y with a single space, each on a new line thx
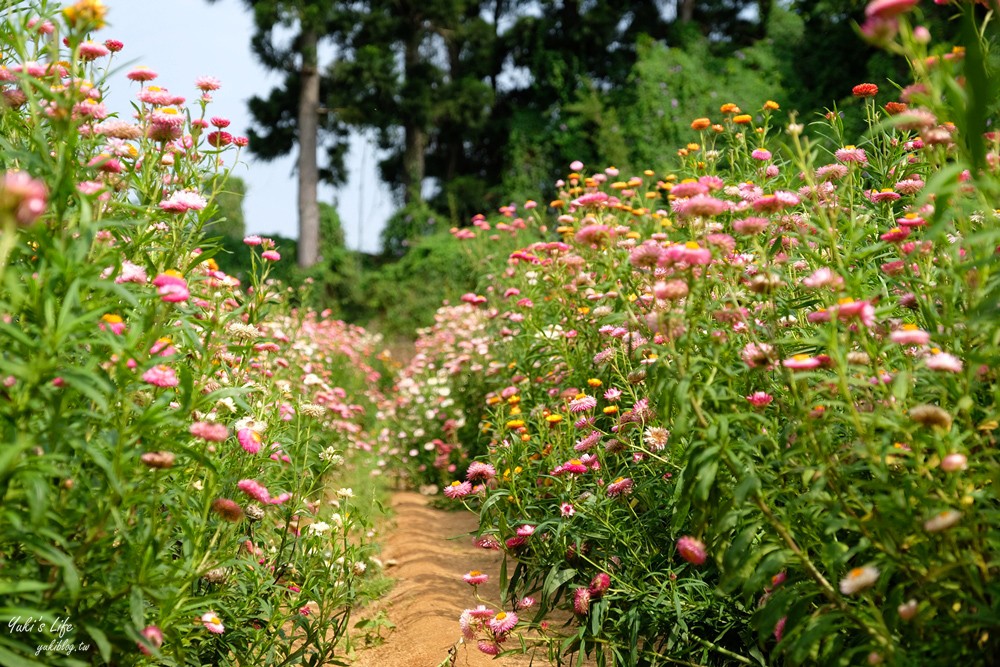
760 428
140 522
229 219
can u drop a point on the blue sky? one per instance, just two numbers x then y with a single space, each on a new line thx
184 39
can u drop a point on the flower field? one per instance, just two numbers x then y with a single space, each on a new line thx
171 433
742 411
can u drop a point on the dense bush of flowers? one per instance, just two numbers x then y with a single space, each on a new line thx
169 433
746 412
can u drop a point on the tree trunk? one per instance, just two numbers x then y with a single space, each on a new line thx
414 151
686 11
308 138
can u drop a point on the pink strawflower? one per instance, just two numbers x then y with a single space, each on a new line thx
480 471
823 277
503 623
943 361
851 154
475 578
141 73
700 205
259 492
567 510
621 486
885 9
761 154
599 584
802 362
253 240
207 83
572 467
114 45
213 623
22 197
581 601
183 201
692 550
689 189
172 287
161 376
90 50
909 334
457 489
861 310
779 628
219 139
582 403
209 431
760 399
749 226
488 647
131 273
527 530
270 255
249 440
154 638
954 462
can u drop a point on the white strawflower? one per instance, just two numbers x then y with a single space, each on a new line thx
859 579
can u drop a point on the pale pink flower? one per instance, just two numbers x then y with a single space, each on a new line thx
182 201
823 277
582 404
851 154
567 510
253 240
213 623
954 462
210 431
207 83
503 623
475 578
457 489
802 362
943 361
909 334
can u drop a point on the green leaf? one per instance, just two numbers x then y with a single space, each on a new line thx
101 639
556 578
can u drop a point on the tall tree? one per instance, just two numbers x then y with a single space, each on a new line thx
293 114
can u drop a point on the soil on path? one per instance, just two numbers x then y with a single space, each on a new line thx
429 594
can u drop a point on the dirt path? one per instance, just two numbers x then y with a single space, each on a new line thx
429 594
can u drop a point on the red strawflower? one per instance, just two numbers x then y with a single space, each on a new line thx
865 90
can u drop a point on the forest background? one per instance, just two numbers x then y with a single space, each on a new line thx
478 103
